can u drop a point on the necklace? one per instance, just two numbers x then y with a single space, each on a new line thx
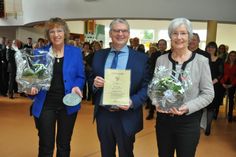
58 54
58 60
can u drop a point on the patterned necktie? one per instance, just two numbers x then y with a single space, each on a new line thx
115 60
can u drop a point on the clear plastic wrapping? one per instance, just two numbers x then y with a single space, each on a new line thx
34 69
168 90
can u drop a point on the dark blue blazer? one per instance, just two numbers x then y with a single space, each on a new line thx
73 75
132 120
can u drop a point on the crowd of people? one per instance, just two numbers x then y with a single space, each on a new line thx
80 69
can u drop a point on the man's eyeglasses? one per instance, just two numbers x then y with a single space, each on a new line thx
120 30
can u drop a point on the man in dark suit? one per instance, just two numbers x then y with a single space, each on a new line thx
29 43
194 46
11 68
118 125
3 68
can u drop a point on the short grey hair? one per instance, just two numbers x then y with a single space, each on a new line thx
177 22
119 20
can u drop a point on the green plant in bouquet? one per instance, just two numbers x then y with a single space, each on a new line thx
169 83
34 71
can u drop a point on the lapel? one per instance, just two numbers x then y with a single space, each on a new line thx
66 57
103 60
131 59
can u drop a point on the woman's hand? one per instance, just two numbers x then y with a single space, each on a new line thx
33 91
77 91
179 111
158 109
174 111
214 81
98 82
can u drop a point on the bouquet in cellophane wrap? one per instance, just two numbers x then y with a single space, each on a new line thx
168 87
34 69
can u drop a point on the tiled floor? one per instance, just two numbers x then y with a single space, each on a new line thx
18 136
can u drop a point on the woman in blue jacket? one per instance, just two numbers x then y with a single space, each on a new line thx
52 117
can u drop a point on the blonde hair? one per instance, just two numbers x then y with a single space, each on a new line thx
57 22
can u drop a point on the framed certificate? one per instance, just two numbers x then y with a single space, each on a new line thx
116 87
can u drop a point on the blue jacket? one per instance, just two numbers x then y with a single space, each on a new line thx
132 120
73 75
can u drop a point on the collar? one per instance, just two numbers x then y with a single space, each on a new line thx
125 49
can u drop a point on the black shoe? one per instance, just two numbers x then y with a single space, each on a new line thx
11 97
215 116
208 131
5 95
149 117
230 118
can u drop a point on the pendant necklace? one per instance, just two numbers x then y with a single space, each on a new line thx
56 57
58 60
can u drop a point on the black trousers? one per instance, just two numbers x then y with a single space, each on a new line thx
49 120
3 80
178 133
231 92
12 84
111 133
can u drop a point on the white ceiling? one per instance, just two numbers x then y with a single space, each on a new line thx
196 10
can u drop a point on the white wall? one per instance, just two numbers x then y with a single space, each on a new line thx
76 26
226 34
22 33
41 10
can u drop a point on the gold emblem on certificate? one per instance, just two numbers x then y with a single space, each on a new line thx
116 87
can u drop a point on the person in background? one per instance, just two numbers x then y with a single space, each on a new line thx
217 70
178 129
130 43
101 43
29 43
158 51
141 48
39 44
55 121
152 49
12 47
135 43
229 81
71 42
222 52
78 43
87 57
117 125
194 46
3 67
96 46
